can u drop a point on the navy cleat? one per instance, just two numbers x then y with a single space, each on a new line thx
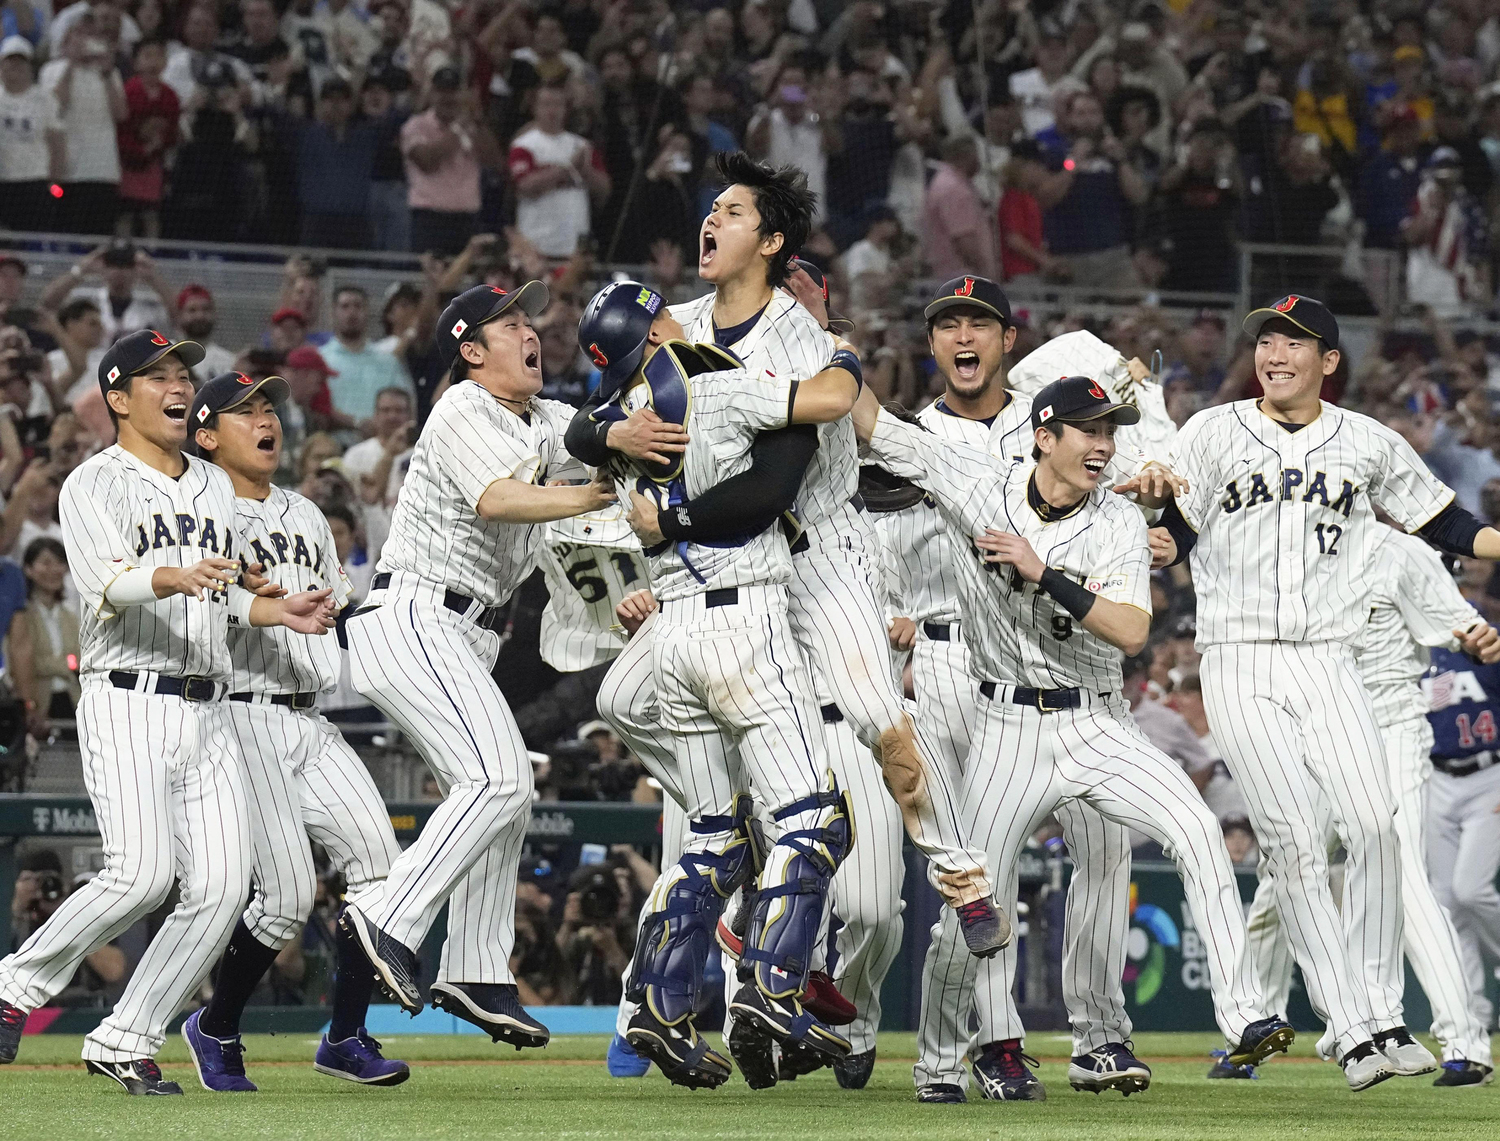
12 1022
493 1007
1260 1040
941 1093
139 1077
395 963
754 1052
358 1059
220 1062
1462 1072
1003 1073
986 929
623 1061
679 1051
854 1071
786 1021
1224 1068
1110 1067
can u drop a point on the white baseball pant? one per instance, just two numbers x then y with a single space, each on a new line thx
1429 940
165 782
303 780
1298 733
1463 855
1023 764
428 669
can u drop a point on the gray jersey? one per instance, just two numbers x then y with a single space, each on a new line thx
1414 605
288 535
1015 633
787 342
118 513
591 563
470 441
1286 519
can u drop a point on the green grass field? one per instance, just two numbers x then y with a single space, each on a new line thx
463 1087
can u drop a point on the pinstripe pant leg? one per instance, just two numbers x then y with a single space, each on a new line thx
482 913
343 811
627 700
1265 750
1096 926
946 696
211 850
129 744
1269 948
1463 833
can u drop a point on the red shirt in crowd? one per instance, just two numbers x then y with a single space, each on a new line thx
148 132
1020 213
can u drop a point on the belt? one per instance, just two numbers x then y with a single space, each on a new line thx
857 501
461 604
832 714
723 596
289 700
939 631
1464 766
187 688
1042 700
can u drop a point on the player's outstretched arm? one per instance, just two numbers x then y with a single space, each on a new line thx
515 501
830 394
750 502
308 612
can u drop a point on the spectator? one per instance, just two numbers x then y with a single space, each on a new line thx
146 137
558 175
444 148
335 163
862 150
1389 178
217 143
260 46
1199 202
288 330
189 62
357 370
567 374
787 130
91 101
597 927
1452 128
370 464
134 296
44 648
1035 88
12 284
709 136
549 55
390 215
358 566
1447 238
23 21
957 236
33 148
75 362
1024 255
1134 115
1198 366
868 262
1220 792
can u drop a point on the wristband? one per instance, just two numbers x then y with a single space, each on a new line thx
847 361
240 601
131 587
1075 599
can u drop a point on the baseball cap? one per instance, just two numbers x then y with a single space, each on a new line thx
15 45
1075 398
447 79
305 356
473 307
231 389
137 352
288 314
191 291
613 331
1308 314
120 254
980 292
837 323
589 728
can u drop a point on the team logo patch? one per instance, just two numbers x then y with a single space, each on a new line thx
1100 585
243 379
1096 392
649 301
158 339
459 327
965 289
1286 304
203 414
598 356
497 289
114 374
1045 414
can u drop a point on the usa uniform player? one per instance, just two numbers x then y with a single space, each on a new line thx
152 548
463 538
1045 634
1414 604
1279 519
301 777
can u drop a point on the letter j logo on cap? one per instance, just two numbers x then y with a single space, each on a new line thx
1286 304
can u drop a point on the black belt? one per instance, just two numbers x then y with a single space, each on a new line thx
723 596
857 501
289 700
1464 766
938 631
832 714
1044 700
187 688
489 617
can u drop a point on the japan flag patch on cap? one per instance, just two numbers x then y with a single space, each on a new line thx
203 414
459 327
1045 414
114 374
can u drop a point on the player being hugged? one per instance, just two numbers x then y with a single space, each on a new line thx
1279 521
153 549
302 780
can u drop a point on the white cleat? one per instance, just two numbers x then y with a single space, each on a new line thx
1407 1056
1365 1066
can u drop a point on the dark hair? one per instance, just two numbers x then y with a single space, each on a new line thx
1055 429
394 390
43 545
1124 96
75 309
120 386
782 198
341 513
348 288
147 42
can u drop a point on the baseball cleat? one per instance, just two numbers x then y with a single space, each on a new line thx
493 1007
12 1022
220 1062
754 1052
679 1051
1260 1040
824 1001
854 1071
986 928
941 1093
1462 1072
1407 1056
1111 1066
623 1061
395 963
797 1059
1223 1068
358 1059
785 1020
1365 1066
1003 1073
139 1077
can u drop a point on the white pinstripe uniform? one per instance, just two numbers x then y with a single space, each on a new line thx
926 557
1286 524
1414 603
162 771
1023 762
301 777
427 665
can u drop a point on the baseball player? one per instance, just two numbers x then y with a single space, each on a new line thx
301 778
1279 521
153 550
591 562
726 673
1045 635
463 537
1463 822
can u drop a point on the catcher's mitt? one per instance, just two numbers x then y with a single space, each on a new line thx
884 492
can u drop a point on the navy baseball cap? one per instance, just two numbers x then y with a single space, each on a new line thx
473 307
1075 398
613 331
135 353
231 389
979 292
837 322
1307 313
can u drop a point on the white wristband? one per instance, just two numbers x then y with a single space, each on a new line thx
240 600
131 588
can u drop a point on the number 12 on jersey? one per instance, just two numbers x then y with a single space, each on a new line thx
1329 535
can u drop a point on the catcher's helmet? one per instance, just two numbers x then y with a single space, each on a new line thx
613 331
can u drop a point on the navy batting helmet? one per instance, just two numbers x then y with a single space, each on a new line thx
613 331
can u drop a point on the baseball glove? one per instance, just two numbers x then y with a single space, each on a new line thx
884 492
